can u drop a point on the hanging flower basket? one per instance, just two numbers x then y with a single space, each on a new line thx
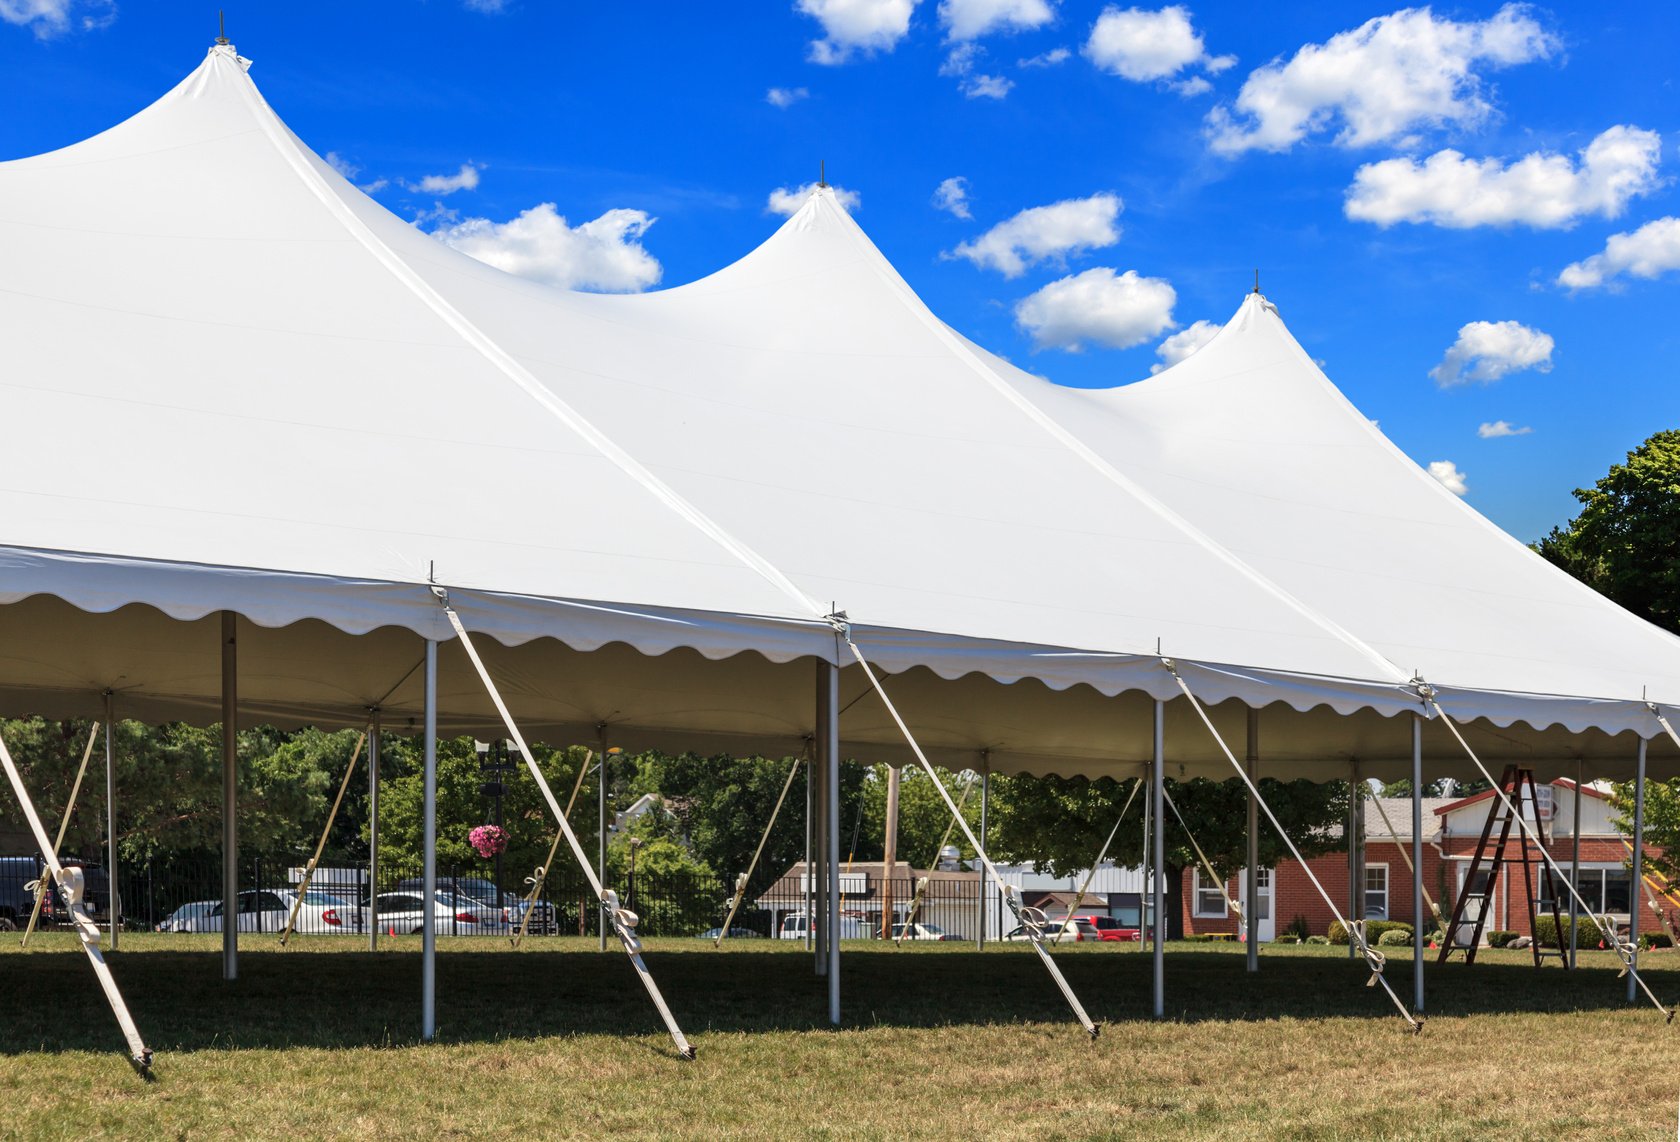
488 840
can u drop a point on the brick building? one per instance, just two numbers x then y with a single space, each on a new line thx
1452 828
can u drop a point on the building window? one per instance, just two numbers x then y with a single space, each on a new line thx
1604 889
1263 882
1208 902
1376 892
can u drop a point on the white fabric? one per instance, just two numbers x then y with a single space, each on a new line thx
245 385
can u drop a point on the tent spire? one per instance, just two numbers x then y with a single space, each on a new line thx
1257 279
221 28
822 173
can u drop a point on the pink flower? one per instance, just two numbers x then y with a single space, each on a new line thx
488 840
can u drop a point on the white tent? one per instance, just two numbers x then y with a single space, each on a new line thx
240 387
256 390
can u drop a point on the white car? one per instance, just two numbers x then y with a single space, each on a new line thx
916 931
1073 931
851 928
404 913
266 910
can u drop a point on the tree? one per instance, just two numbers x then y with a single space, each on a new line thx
1059 824
1626 541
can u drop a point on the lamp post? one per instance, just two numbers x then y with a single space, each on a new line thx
635 843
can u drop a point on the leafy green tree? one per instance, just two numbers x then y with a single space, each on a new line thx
1626 541
1059 824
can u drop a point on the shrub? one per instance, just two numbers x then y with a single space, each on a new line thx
1394 938
1298 928
1437 937
1500 939
1655 940
1287 938
1587 934
1319 940
1374 930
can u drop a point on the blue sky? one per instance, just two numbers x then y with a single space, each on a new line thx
1468 213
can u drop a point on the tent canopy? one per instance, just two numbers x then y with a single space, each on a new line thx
249 387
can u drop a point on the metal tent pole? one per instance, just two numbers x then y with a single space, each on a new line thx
115 902
816 918
230 795
810 802
428 920
1351 830
601 858
1638 894
1158 781
831 744
985 879
1252 917
1575 868
373 829
1419 923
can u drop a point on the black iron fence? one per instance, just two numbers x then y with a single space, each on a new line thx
182 895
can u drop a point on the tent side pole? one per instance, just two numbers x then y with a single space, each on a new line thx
1158 780
601 856
115 903
373 830
816 917
1418 922
1638 894
985 885
810 805
1575 866
230 795
1252 917
428 829
831 740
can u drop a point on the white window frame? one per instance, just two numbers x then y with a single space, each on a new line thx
1197 888
1371 893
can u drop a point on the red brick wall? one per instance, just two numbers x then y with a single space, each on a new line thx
1294 894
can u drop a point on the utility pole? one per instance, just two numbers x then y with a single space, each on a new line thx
890 856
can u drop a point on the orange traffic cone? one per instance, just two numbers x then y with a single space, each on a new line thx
391 931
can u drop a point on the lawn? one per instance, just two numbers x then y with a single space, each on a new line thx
319 1041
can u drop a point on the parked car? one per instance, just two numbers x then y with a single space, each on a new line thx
851 928
1108 928
919 931
405 912
1073 931
17 899
266 910
181 919
492 912
734 934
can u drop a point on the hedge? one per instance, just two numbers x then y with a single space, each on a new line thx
1500 939
1374 930
1587 934
1394 938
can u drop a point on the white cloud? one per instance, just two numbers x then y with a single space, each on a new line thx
952 197
347 169
605 254
1451 478
1097 306
490 6
1385 78
1046 59
787 202
1183 343
1488 350
976 85
857 26
464 179
1495 429
1540 190
1648 252
785 97
48 18
1195 85
1045 233
1144 46
971 19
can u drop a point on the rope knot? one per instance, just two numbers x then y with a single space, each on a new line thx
841 623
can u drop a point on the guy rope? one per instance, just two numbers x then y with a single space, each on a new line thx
922 884
1374 959
41 885
1102 855
539 876
741 881
309 869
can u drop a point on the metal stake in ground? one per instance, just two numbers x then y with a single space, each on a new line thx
622 920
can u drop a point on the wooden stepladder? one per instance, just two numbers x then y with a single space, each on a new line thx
1481 881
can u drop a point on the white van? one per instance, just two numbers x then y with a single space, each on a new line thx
851 928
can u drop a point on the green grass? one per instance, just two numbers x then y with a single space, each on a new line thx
320 1041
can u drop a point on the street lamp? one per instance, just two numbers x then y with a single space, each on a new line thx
635 843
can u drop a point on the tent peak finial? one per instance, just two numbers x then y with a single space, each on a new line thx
221 29
1257 279
822 174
